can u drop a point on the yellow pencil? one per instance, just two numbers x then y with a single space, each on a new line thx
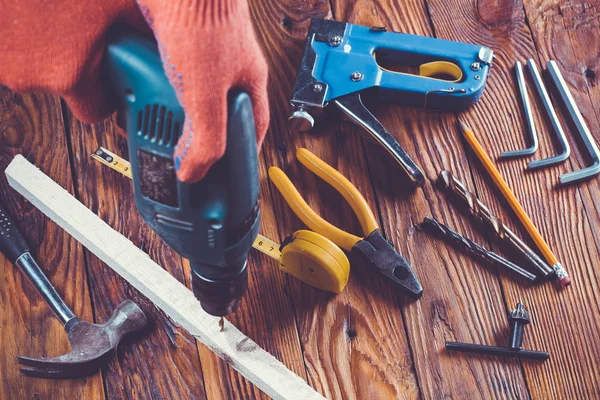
560 271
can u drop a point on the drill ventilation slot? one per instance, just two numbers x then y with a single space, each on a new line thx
176 223
155 123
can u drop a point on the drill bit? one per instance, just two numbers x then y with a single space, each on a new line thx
434 227
480 211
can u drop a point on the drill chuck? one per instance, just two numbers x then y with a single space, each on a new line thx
220 297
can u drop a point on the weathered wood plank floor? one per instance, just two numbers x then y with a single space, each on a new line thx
368 342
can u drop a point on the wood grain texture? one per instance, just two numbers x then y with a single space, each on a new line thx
355 344
165 352
462 301
569 33
157 284
563 319
367 342
325 325
32 125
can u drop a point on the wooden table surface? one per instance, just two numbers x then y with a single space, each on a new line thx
368 342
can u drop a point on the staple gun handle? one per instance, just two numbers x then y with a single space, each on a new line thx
352 106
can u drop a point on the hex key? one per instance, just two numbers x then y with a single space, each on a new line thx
566 149
528 118
582 128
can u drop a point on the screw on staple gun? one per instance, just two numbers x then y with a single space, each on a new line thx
342 60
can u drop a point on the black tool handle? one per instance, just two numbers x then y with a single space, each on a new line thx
12 243
497 351
352 106
15 248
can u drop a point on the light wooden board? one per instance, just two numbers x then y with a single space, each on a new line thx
31 124
367 342
258 366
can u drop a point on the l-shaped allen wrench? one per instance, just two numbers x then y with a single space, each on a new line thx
582 128
562 139
528 117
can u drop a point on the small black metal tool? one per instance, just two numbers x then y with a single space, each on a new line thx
434 227
496 351
519 317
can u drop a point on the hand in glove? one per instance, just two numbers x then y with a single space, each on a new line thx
207 48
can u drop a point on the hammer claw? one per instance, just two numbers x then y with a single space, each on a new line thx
37 373
92 345
56 373
62 366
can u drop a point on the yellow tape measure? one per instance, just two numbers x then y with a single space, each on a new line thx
112 160
306 255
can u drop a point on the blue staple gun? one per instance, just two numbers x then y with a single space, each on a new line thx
342 60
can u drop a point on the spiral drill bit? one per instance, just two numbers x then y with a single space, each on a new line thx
481 212
435 227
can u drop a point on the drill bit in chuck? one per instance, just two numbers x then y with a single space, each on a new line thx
432 226
481 212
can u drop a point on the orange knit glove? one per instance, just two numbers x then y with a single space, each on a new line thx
207 47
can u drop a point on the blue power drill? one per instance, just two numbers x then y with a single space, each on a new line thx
214 222
341 61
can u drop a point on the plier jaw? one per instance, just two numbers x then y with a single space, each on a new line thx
372 250
376 252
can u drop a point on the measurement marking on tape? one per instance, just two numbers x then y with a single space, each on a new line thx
267 246
112 160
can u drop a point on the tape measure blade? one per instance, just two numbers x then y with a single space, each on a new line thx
267 246
113 161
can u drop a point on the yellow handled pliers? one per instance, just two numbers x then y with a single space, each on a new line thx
372 249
